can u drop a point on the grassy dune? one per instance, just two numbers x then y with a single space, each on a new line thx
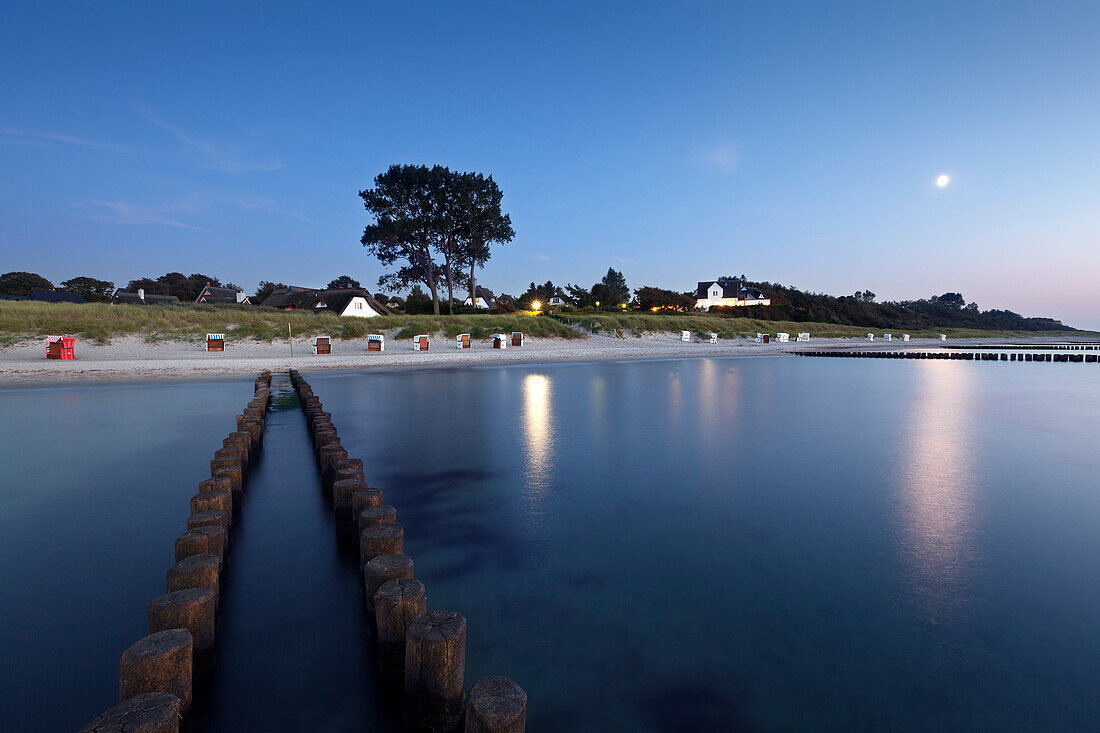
23 320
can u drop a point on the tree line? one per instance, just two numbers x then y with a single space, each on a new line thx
89 288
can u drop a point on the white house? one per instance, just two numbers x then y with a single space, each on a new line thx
485 298
558 300
727 293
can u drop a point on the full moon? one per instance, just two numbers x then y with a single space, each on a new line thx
943 180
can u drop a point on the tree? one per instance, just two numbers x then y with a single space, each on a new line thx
955 300
344 282
21 283
419 302
481 223
265 289
864 296
540 294
581 297
652 298
89 288
615 290
405 229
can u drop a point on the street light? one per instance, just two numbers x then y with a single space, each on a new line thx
535 304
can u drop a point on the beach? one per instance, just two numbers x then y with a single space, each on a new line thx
132 357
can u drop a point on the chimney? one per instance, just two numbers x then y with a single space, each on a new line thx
141 293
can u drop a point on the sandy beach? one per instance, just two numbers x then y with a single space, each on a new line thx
134 358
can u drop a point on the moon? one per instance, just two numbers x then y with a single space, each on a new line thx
942 180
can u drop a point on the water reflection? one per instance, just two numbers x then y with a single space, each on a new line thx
936 491
538 438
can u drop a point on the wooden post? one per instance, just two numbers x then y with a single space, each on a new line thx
396 604
191 609
496 705
160 662
196 571
380 539
381 569
152 712
435 667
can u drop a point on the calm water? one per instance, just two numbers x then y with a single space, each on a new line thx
741 544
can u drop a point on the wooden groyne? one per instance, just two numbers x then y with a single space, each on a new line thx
421 652
157 673
953 356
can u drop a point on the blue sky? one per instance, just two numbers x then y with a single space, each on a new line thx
790 141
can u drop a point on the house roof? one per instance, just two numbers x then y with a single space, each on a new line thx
397 301
284 297
55 296
485 294
125 297
218 295
730 289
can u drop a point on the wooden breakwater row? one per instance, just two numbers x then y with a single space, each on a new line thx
157 672
967 356
1024 347
422 652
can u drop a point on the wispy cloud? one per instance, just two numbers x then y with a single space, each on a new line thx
720 158
266 205
225 157
42 137
623 260
125 213
540 257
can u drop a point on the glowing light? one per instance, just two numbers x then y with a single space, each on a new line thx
539 442
536 305
943 180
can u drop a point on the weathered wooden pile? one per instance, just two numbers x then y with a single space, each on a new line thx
156 673
958 356
422 651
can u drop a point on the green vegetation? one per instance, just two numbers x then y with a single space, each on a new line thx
21 320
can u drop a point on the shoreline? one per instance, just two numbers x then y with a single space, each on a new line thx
132 360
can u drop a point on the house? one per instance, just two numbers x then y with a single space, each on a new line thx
284 298
485 298
395 302
351 302
559 299
727 293
55 296
211 294
140 298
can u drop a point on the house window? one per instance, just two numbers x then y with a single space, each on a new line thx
358 306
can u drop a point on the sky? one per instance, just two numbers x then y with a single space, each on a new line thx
793 142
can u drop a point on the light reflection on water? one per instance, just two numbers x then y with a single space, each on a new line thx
539 441
936 504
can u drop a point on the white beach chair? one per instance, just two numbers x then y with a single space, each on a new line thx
782 337
376 342
803 337
870 337
943 337
685 335
420 342
905 337
713 337
887 337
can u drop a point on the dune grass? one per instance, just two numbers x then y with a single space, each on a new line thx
99 322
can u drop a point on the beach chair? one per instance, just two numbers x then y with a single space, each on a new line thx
713 337
517 338
943 337
322 345
685 335
376 342
905 337
500 341
215 342
462 341
870 337
759 338
60 347
420 342
782 337
803 337
887 337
